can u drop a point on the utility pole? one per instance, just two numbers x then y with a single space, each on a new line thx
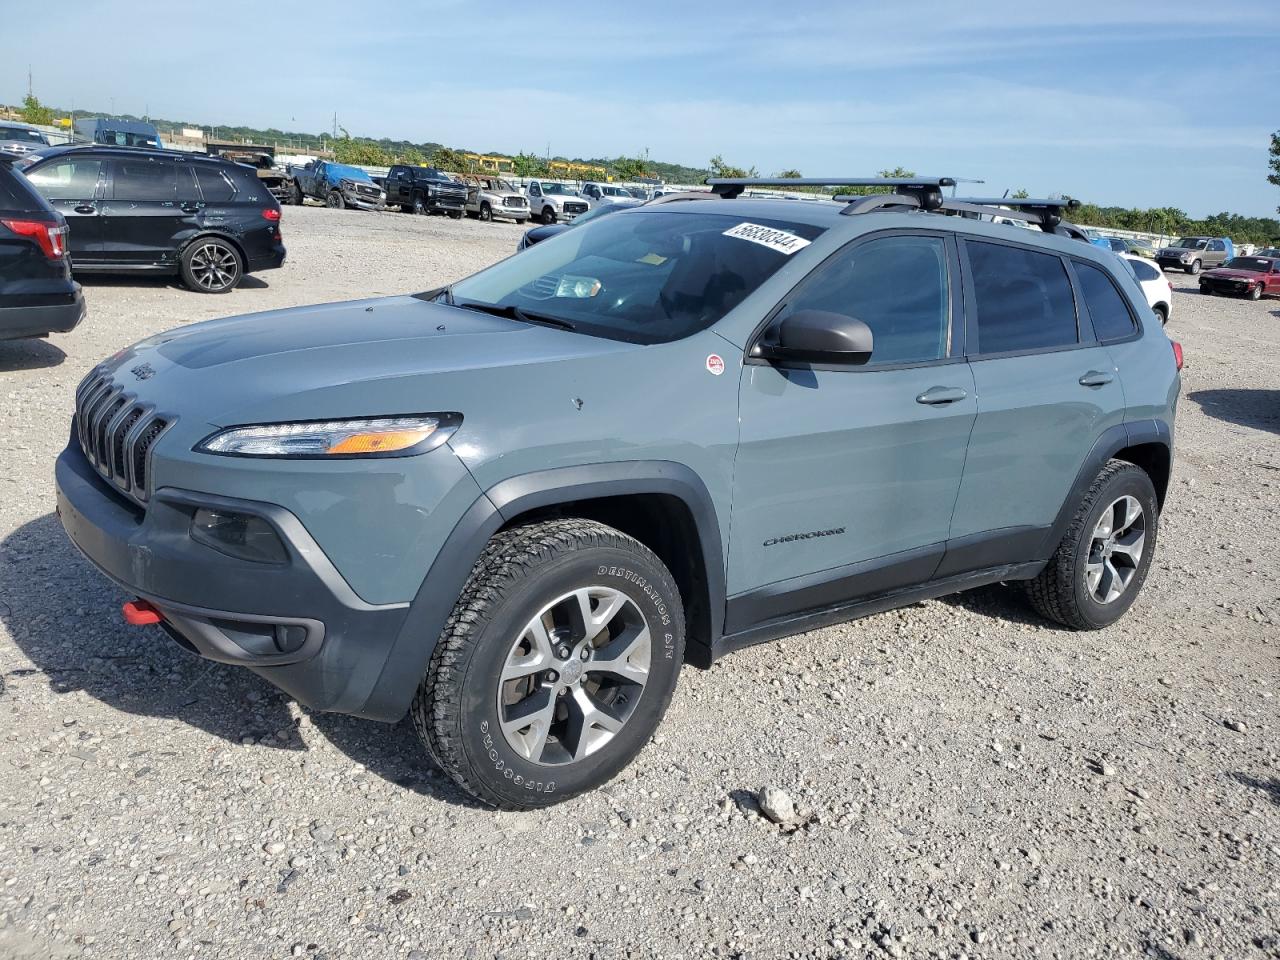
30 92
335 124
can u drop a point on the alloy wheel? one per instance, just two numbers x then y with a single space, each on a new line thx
1115 550
215 267
574 675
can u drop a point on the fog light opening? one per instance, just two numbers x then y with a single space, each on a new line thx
239 535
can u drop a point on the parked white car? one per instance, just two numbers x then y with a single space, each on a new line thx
609 193
1154 284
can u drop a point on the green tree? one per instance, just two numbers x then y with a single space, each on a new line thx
1019 194
33 111
528 165
454 161
1274 176
629 168
792 174
721 169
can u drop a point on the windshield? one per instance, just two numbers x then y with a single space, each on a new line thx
1252 264
342 170
644 276
503 186
559 189
21 133
1192 243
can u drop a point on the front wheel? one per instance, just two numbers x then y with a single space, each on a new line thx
1194 268
1102 561
420 206
211 265
556 666
298 196
548 216
334 200
1161 312
486 212
455 214
1255 292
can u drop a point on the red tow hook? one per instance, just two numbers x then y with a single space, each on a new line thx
139 613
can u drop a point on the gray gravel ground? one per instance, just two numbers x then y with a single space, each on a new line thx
967 781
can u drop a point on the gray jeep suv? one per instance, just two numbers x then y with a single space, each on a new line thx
515 507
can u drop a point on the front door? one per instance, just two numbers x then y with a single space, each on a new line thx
846 477
72 185
151 206
1046 390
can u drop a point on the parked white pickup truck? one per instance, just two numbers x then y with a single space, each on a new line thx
550 201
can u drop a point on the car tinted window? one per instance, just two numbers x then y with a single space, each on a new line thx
75 178
1024 299
141 178
645 276
1111 317
15 193
215 186
1143 271
895 285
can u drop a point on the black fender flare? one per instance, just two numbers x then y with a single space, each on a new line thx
505 501
1109 443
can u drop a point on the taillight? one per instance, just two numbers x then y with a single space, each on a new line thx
271 213
1177 353
51 237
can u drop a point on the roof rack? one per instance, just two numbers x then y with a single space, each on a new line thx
927 191
1043 212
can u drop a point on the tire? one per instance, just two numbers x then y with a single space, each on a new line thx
1255 292
548 216
333 199
420 206
1161 312
526 575
298 197
455 214
406 208
1064 591
1194 268
212 265
486 212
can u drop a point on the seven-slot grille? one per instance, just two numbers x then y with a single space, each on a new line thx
116 433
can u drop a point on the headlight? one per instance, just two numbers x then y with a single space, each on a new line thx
372 437
347 184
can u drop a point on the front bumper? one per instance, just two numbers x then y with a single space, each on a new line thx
36 321
297 624
362 201
1236 288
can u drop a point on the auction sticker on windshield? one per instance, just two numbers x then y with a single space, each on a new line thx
779 240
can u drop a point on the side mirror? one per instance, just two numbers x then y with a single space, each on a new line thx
818 336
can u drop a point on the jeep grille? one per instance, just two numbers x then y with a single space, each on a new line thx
116 432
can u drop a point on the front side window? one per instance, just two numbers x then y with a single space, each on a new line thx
1111 317
1192 243
71 179
1024 299
895 285
644 276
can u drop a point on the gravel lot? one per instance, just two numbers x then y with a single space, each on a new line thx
970 782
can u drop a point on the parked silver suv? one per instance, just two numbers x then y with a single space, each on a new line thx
1192 254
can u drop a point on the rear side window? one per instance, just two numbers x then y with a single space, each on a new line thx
144 179
895 285
1144 271
15 194
1107 309
1024 299
75 178
214 184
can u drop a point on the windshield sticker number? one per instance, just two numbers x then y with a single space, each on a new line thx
779 240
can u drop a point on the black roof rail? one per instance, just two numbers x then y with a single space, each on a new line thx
1045 213
928 190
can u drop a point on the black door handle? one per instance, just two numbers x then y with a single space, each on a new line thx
85 208
935 396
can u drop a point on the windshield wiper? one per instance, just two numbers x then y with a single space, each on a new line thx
512 312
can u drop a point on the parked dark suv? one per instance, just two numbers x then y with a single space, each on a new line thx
156 211
37 294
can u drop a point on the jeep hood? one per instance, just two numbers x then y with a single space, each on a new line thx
359 358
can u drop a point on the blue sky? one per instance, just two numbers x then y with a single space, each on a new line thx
1117 103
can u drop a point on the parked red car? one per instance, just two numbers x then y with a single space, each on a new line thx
1244 277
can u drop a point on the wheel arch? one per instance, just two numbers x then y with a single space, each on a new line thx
1147 444
663 504
205 234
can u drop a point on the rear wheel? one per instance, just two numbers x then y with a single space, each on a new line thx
1194 268
212 265
1161 312
1103 559
556 666
334 200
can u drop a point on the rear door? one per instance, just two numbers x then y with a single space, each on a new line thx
846 476
1046 389
73 186
151 206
